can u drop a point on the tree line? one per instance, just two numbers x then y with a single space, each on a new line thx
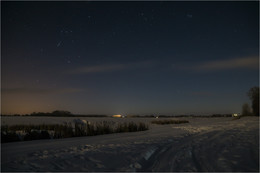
56 113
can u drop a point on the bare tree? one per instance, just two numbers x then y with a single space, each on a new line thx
246 111
253 94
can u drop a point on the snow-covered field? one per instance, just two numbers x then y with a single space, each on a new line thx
204 144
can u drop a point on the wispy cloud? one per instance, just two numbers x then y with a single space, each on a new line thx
248 62
110 67
27 90
235 63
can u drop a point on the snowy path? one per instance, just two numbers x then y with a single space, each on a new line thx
205 144
216 151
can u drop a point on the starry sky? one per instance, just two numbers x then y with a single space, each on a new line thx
128 57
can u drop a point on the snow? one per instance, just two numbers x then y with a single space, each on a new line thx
149 153
204 144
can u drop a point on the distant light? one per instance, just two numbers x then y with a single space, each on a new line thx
117 116
235 115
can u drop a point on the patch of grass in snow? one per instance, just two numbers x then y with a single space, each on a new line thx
54 131
162 122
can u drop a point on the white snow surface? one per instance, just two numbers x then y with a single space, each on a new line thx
204 144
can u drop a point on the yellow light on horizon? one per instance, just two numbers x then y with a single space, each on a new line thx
117 116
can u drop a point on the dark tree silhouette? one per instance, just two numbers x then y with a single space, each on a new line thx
246 110
61 113
253 94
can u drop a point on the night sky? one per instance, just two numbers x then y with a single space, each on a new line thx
128 57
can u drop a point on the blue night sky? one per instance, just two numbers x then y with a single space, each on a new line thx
128 57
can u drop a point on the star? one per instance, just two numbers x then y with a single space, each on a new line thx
58 45
189 15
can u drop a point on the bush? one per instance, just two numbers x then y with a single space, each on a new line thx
35 135
32 136
9 137
142 127
44 135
